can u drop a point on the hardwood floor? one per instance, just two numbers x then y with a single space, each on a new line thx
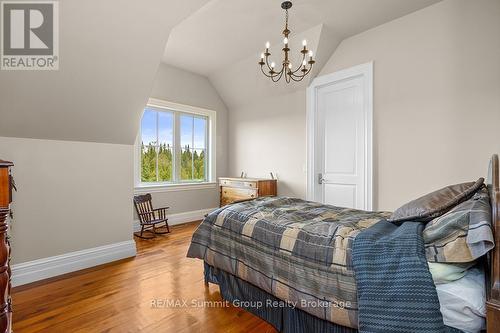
119 297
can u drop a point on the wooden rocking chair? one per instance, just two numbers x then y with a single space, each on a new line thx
150 217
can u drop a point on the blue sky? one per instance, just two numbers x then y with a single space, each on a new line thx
166 121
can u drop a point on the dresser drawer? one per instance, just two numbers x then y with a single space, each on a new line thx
232 194
238 183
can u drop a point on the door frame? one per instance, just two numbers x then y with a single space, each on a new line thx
366 72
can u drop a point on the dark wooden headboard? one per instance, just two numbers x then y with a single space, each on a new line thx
493 290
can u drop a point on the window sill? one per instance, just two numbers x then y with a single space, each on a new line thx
143 189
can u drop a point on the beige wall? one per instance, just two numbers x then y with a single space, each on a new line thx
176 85
436 105
269 136
71 195
436 96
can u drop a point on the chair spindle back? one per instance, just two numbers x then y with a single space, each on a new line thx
144 207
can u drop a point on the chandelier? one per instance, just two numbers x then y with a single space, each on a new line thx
287 69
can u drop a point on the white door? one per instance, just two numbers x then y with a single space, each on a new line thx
340 138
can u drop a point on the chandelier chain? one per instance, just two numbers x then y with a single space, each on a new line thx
286 19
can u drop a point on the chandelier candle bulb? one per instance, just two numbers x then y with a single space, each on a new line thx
304 43
285 40
267 45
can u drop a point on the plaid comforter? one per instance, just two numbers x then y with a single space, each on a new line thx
298 251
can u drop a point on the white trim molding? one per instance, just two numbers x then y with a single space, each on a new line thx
365 71
143 189
211 145
181 218
44 268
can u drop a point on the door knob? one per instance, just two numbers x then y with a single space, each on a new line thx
320 178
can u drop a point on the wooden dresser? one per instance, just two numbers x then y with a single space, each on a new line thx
235 189
6 184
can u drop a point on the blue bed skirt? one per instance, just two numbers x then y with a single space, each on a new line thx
282 316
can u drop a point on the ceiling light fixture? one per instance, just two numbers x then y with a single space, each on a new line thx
287 70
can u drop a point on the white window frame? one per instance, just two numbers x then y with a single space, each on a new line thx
210 182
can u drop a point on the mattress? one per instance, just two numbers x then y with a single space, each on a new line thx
463 302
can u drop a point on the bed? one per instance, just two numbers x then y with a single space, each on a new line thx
304 266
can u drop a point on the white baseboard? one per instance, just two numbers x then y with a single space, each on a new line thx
180 218
44 268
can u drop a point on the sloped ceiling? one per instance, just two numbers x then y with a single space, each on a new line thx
109 54
224 39
226 31
242 82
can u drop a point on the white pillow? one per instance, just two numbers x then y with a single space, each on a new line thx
444 273
463 302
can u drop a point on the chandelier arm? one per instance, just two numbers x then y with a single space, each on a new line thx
295 77
298 76
267 63
298 69
270 68
274 76
300 65
279 75
309 70
304 73
263 72
298 79
293 73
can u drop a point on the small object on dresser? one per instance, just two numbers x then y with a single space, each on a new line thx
150 217
6 182
239 189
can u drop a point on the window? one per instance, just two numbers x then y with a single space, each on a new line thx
175 145
157 148
193 147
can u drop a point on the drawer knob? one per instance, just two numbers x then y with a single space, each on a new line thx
252 196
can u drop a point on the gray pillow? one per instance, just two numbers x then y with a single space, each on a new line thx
462 234
436 203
